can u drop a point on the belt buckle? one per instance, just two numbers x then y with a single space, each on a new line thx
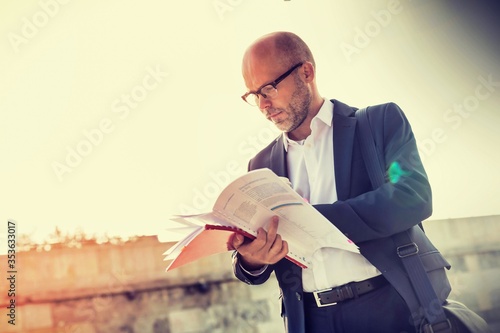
318 299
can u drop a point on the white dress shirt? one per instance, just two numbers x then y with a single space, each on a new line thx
311 171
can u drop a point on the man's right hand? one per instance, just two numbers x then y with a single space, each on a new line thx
267 248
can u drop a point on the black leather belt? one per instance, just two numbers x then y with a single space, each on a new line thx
345 292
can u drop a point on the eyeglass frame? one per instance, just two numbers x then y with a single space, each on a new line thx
273 84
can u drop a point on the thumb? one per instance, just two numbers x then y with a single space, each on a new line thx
237 240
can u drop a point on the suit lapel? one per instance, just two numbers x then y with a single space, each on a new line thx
344 126
343 141
278 158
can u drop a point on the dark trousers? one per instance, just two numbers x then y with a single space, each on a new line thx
381 310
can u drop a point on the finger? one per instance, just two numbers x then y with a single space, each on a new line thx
278 252
279 248
259 242
276 246
284 250
237 241
272 230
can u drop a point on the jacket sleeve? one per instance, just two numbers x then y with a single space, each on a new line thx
248 278
403 201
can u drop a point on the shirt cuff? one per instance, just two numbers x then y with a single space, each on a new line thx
255 272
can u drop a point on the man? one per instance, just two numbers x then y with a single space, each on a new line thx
319 152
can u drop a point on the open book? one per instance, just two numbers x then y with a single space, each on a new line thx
247 204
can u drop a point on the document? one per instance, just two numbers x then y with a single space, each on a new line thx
247 204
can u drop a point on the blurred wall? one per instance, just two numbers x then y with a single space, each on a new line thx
123 287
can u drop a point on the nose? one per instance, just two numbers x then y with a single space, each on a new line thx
263 102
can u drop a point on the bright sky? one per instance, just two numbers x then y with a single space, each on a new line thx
115 115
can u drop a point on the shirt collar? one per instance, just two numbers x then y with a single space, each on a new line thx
325 115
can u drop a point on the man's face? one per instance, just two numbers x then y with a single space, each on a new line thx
290 107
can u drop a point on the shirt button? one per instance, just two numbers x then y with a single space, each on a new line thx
299 296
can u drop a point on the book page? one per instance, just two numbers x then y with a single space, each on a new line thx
251 200
205 243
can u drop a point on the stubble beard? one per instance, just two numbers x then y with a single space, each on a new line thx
297 110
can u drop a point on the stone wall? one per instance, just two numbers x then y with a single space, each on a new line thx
124 287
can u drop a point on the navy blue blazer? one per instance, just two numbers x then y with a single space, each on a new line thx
369 217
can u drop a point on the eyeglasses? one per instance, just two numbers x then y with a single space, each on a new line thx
268 90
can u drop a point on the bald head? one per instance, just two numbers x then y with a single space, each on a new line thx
292 105
285 49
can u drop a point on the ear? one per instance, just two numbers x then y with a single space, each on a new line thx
308 73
